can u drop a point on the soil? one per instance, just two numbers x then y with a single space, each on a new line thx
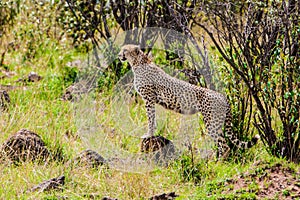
267 182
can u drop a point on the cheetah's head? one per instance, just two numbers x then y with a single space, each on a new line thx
130 53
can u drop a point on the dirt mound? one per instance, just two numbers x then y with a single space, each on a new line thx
74 92
32 77
154 143
268 182
4 100
89 158
160 149
24 146
49 185
164 196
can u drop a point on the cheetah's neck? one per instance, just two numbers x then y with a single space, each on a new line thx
142 59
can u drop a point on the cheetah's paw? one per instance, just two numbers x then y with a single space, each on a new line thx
146 136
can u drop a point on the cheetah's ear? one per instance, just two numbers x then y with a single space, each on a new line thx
137 49
150 56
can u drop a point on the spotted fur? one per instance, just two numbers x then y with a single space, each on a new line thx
157 87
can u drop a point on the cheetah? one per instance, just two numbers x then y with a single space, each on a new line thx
157 87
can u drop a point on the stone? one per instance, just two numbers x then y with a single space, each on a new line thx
23 146
90 159
4 100
108 198
159 148
164 196
49 185
33 77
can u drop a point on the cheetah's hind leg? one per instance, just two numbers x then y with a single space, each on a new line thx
223 148
214 124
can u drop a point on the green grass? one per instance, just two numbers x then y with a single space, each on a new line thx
39 109
117 125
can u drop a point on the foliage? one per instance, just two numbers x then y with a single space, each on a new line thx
37 106
241 105
84 20
9 10
259 40
95 21
191 171
69 75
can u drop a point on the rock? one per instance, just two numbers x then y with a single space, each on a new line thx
90 196
75 63
154 143
164 196
89 158
32 77
71 135
7 74
52 184
24 146
4 100
108 198
67 96
160 148
75 91
12 87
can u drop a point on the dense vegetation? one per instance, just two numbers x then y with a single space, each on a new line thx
247 50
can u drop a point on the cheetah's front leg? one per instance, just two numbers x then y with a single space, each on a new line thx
150 108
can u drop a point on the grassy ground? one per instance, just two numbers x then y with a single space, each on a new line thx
37 107
111 126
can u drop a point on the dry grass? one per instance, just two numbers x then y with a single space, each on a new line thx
110 125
